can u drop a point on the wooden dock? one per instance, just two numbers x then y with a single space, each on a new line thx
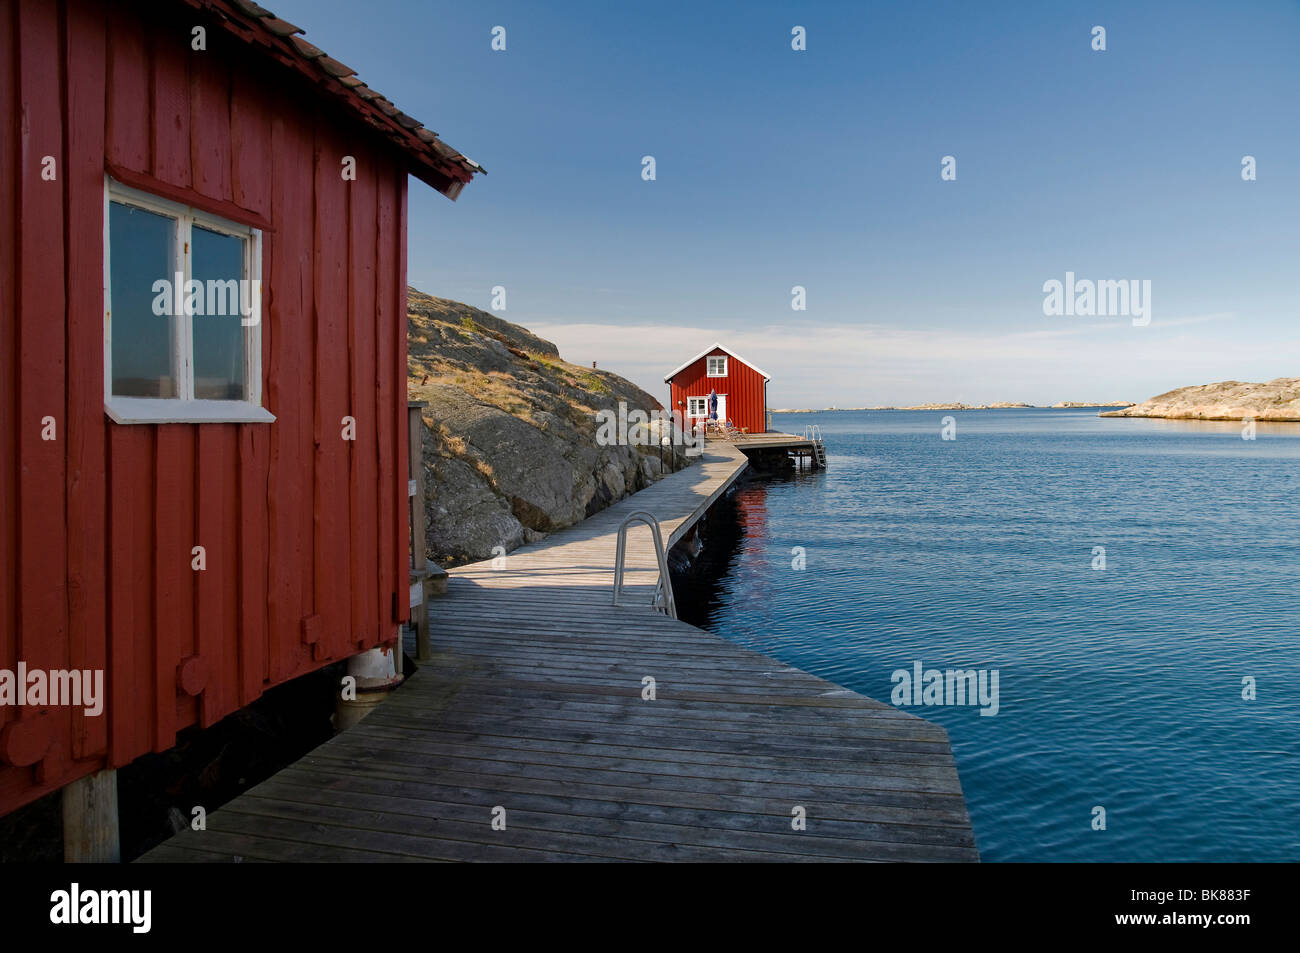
806 449
533 715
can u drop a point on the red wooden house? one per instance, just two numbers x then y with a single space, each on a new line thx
741 388
181 505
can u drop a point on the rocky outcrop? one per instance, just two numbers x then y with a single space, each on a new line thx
1227 400
510 448
1075 404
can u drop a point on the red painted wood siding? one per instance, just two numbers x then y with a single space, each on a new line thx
745 389
96 527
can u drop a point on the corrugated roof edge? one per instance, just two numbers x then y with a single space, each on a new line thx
433 161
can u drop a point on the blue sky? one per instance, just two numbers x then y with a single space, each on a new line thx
821 168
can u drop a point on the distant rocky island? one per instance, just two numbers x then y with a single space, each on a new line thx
1001 405
1277 399
1078 403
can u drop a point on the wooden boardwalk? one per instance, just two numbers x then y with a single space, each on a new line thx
532 712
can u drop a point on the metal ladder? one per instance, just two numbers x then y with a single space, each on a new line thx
663 597
813 433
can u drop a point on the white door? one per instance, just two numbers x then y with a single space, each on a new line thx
722 408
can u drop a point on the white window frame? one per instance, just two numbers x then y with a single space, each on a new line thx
708 365
184 407
703 403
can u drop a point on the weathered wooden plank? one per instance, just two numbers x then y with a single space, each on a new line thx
363 449
170 130
878 807
131 561
244 846
217 608
329 251
290 380
599 703
650 751
9 463
86 61
315 840
39 392
390 324
492 703
532 661
253 567
129 137
173 575
756 695
674 791
209 146
664 741
401 449
171 853
690 825
615 837
438 839
580 769
250 146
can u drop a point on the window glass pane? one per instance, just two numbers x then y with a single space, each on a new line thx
218 265
140 253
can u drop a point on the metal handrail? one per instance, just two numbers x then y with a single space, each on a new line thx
663 597
813 434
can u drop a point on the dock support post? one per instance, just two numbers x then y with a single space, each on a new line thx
90 828
419 568
375 674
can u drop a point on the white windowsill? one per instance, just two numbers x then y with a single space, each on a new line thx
161 410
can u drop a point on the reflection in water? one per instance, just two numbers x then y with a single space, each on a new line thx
740 521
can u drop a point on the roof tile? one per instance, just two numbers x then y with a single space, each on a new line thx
280 27
306 49
336 69
252 9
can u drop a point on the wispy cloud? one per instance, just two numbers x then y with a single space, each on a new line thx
875 364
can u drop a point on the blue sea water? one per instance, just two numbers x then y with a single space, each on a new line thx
1119 687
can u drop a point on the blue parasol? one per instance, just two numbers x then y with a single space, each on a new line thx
713 405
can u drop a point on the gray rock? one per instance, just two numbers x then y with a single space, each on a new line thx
464 518
510 443
1278 399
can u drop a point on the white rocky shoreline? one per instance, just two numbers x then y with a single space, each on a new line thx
1276 400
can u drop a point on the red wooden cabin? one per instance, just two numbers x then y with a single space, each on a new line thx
127 439
741 388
